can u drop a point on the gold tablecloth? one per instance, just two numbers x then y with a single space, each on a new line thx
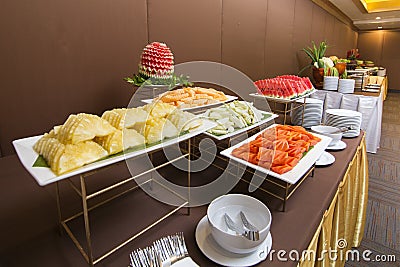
342 226
382 81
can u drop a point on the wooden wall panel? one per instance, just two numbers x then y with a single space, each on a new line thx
329 35
192 29
370 46
336 38
391 58
340 37
354 37
349 40
318 24
301 32
243 36
279 38
329 28
382 47
62 57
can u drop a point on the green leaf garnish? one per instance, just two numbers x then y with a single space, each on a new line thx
172 82
40 162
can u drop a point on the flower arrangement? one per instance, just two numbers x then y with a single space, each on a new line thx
325 62
316 53
353 54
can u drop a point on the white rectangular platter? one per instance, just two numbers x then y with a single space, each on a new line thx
44 175
257 95
242 130
298 171
229 99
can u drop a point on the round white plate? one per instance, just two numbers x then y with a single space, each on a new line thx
337 146
310 100
344 120
349 119
325 159
343 113
214 252
351 134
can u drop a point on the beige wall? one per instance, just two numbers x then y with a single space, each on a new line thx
62 57
382 47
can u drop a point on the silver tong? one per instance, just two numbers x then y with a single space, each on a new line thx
251 232
344 129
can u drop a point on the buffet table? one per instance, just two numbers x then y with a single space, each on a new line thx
305 223
319 213
369 104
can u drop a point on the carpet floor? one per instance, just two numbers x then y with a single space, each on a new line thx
382 229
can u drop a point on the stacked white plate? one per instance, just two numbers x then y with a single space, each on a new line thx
313 110
360 80
331 83
346 86
344 118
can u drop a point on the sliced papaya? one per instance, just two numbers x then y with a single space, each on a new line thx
279 148
281 169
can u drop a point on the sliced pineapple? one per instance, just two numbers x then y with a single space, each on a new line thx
50 148
184 121
125 118
83 127
77 155
115 117
135 117
112 142
120 140
63 158
159 128
132 138
159 109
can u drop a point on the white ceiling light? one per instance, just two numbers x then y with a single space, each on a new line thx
368 21
378 18
380 27
374 21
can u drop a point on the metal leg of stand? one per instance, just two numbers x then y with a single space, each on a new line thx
86 220
302 114
189 177
285 197
60 228
151 174
284 119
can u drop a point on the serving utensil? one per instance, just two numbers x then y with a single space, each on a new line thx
246 223
162 253
344 129
239 229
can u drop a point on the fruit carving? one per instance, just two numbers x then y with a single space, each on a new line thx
157 61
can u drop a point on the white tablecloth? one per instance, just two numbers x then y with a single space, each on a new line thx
371 108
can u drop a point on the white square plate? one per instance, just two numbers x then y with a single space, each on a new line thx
229 99
298 171
45 176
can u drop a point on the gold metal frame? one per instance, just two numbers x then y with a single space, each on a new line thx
85 197
282 191
287 110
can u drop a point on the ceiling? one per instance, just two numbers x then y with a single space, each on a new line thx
366 20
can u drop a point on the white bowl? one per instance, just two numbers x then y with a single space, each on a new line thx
256 212
330 132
